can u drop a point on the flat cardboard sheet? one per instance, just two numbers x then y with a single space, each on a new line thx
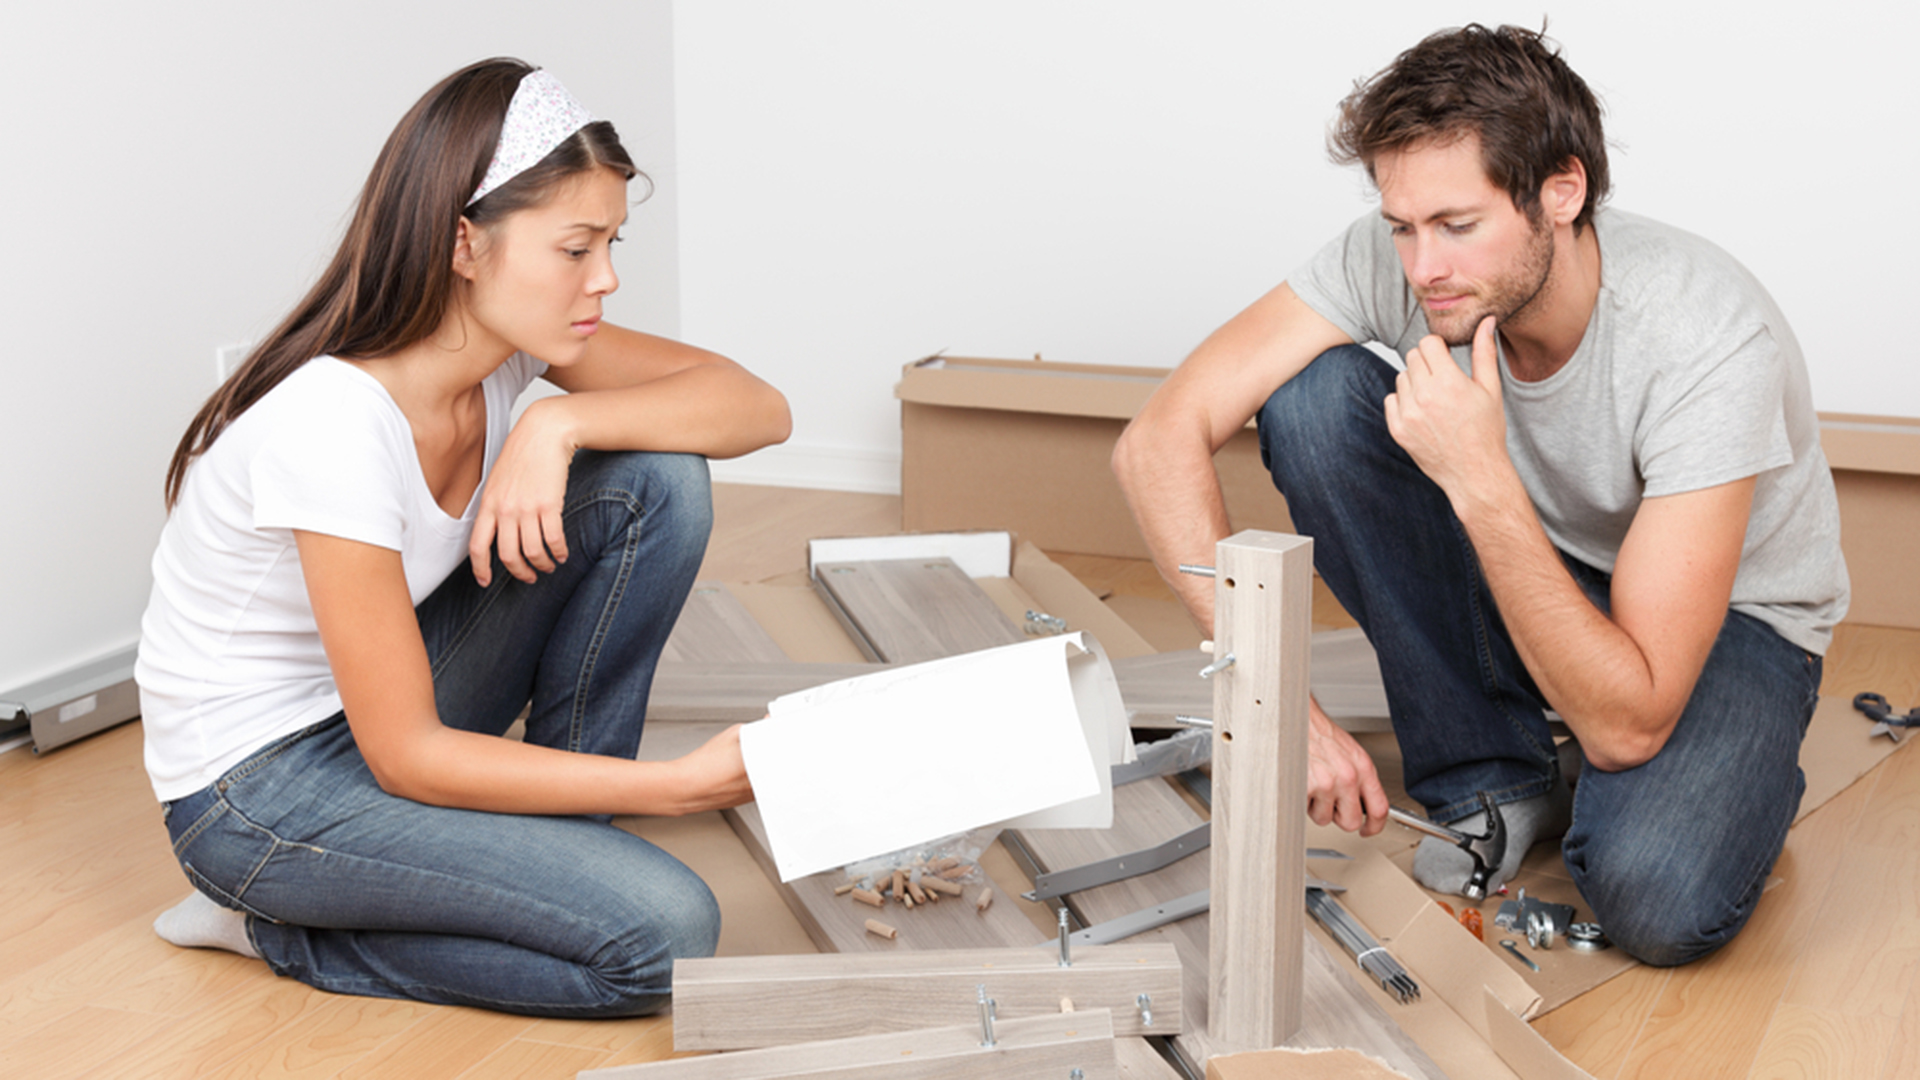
1021 735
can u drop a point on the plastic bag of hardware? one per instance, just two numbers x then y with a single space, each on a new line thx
952 858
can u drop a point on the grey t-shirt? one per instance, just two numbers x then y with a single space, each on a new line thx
1688 377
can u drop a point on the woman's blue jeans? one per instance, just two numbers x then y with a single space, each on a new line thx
1671 855
353 890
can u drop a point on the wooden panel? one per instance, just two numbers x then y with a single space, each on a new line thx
1262 614
735 692
741 1003
912 610
1039 1047
714 625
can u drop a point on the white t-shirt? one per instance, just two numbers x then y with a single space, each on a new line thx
1688 377
230 657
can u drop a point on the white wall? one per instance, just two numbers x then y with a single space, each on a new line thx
174 175
868 182
857 184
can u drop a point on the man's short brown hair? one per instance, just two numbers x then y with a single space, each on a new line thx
1508 86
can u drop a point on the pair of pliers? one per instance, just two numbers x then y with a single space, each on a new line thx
1886 721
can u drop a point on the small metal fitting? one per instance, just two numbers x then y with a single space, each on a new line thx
1587 937
1217 667
1540 930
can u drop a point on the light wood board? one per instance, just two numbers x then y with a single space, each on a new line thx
1262 588
1033 1048
912 610
742 1003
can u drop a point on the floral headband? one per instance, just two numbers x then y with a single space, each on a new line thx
541 116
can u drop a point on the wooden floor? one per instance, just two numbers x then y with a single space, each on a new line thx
1821 984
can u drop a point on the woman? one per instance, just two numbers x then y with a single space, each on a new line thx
328 755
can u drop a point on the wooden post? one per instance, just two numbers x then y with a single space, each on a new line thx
1262 616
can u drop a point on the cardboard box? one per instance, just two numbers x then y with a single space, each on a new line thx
1024 445
1876 472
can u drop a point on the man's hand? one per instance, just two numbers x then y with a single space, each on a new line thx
1342 785
1452 425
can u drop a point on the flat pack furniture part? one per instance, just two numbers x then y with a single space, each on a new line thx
742 1003
1263 589
715 623
694 682
1050 1047
882 603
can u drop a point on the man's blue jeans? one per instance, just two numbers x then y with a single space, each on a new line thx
1671 855
352 890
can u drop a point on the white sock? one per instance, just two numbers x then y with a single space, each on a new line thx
1444 867
199 923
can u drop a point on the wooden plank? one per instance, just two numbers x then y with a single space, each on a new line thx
1345 677
714 625
743 1003
1155 687
1263 591
911 610
736 692
1032 1048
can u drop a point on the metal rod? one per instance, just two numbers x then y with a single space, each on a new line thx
1197 570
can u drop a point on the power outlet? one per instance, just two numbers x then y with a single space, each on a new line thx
228 357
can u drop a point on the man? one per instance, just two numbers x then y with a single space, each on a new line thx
1596 488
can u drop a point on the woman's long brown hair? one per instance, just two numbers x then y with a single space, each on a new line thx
389 284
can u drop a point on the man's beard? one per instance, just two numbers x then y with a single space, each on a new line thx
1506 297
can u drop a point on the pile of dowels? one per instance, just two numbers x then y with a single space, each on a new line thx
913 886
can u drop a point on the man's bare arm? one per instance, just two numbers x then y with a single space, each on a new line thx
1621 680
1164 460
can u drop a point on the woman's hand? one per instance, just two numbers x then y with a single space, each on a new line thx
525 494
713 777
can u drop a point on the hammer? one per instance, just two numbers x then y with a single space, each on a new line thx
1486 849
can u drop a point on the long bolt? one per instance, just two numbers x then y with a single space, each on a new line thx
986 1016
1066 940
1217 667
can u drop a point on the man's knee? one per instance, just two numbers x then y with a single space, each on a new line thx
1666 910
1320 413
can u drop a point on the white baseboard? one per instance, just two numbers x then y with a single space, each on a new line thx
832 468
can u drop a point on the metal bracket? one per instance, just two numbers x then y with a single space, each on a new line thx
1121 867
1143 920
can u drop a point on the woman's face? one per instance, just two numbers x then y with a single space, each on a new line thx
539 274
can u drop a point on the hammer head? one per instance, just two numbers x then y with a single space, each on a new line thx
1488 849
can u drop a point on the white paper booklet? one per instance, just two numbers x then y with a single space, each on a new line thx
1023 736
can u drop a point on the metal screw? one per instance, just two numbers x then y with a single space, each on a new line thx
986 1016
1197 571
1066 940
1146 1009
1217 667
